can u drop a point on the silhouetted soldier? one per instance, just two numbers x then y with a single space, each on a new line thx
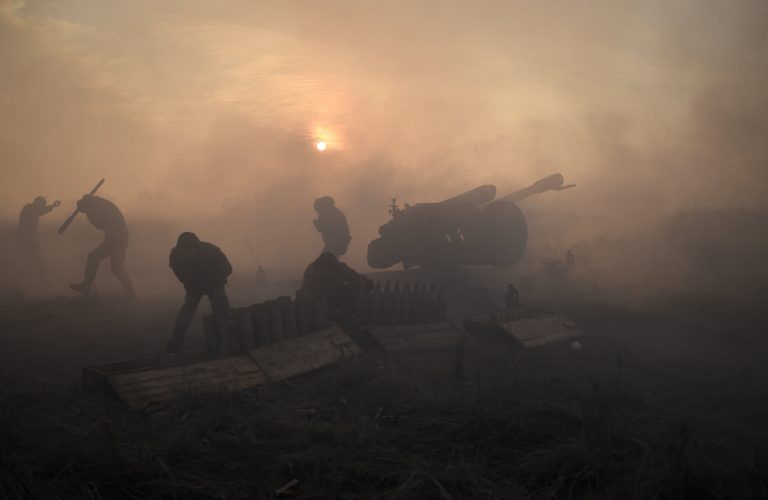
332 224
336 282
203 270
27 237
105 216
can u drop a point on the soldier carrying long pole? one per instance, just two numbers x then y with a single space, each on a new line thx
105 216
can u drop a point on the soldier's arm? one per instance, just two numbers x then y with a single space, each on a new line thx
39 211
50 207
175 265
47 210
348 274
343 223
324 224
224 266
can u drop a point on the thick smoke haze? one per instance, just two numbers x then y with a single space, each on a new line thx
204 115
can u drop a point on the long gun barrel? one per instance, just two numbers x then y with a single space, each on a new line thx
552 182
477 196
77 210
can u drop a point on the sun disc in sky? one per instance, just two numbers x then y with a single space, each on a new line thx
321 146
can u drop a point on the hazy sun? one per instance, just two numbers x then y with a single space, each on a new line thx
321 146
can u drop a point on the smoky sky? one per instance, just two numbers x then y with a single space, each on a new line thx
198 109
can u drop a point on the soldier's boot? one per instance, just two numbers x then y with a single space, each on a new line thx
91 266
83 288
130 292
119 272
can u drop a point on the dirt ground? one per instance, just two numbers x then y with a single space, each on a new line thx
667 400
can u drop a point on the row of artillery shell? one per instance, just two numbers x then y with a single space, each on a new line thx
284 318
400 305
263 324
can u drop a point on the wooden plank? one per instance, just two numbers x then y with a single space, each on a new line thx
416 337
278 361
139 400
284 370
293 357
200 381
281 360
151 374
178 381
400 346
421 337
530 329
129 387
417 341
536 332
413 330
94 380
305 364
232 373
154 373
416 329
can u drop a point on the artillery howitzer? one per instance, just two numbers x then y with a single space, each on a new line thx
469 229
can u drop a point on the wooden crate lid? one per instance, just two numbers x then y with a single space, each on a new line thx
423 337
533 329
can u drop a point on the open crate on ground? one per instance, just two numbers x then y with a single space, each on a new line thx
494 343
263 343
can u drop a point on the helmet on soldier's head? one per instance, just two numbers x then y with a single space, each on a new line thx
187 240
324 202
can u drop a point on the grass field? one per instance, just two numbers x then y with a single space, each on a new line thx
663 402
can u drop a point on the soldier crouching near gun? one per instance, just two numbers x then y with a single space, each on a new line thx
203 270
27 236
331 223
337 283
104 215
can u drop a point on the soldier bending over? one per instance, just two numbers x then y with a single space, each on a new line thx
203 270
104 215
337 283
